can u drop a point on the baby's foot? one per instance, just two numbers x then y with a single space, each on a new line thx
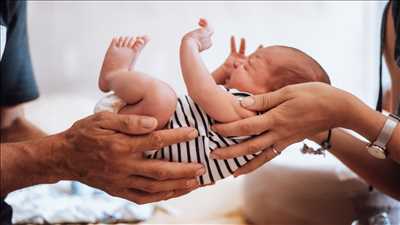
121 55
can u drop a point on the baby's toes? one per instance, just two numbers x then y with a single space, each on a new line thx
125 42
120 41
131 42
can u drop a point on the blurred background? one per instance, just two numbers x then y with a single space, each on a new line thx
68 41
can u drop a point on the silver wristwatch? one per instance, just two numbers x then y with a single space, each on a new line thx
378 147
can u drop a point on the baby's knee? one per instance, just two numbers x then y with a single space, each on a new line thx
163 102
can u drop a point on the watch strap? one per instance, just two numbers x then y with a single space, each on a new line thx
386 132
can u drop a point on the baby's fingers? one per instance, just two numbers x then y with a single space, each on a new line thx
204 24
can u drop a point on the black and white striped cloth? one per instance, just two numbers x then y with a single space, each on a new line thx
189 114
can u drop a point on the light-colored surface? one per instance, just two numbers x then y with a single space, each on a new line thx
298 194
320 192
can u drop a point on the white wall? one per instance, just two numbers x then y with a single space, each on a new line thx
68 39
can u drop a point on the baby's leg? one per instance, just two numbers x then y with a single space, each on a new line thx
143 94
120 56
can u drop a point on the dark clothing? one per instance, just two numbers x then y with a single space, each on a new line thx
17 83
396 21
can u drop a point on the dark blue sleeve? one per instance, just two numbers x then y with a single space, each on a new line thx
17 83
5 213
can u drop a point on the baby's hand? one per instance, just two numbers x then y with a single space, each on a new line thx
201 37
235 58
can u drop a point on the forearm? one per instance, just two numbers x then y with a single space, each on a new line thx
382 174
202 87
20 130
195 73
369 124
32 162
14 127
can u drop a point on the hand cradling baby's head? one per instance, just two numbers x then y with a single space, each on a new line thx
271 68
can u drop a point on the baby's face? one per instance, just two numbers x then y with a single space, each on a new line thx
262 71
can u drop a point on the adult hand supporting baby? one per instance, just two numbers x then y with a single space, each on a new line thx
291 114
106 151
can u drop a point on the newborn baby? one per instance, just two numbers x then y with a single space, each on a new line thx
211 97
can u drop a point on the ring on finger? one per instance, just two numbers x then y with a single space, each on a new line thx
275 151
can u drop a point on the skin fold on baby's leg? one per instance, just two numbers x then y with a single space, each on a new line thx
143 94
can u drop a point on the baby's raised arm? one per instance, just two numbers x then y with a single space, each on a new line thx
202 88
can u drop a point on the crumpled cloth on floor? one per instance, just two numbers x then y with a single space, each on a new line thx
73 202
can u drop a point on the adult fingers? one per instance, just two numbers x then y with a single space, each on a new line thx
161 138
242 48
245 148
266 156
255 163
154 186
164 170
128 124
248 126
233 44
266 101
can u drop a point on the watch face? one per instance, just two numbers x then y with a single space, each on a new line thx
377 152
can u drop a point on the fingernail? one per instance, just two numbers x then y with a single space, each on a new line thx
247 101
201 172
193 134
192 183
236 175
148 123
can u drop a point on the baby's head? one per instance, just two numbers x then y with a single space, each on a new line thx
273 67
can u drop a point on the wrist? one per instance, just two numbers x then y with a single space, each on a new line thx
365 121
28 163
319 137
189 43
49 155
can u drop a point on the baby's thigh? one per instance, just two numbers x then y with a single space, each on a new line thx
158 102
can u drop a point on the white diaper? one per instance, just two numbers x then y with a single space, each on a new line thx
189 114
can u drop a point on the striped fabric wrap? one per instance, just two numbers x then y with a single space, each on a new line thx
189 114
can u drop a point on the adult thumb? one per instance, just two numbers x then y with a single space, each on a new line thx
264 102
